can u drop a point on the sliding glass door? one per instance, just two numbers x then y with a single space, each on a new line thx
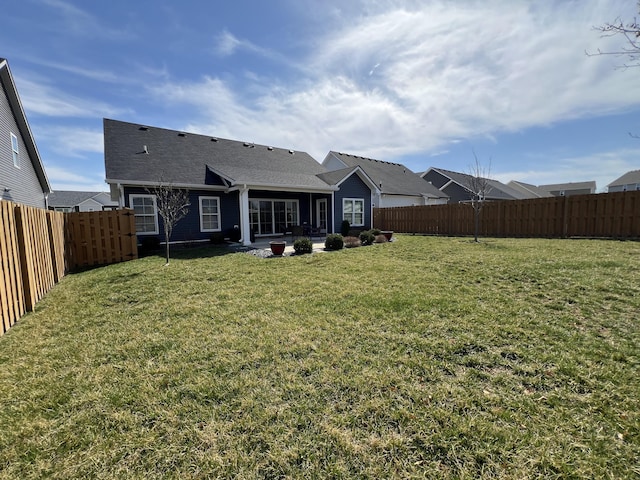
269 217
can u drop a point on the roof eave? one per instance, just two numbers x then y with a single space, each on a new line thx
284 188
144 183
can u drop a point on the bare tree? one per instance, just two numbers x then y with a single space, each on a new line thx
630 30
478 185
173 204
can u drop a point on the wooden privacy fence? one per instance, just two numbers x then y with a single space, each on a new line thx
32 249
100 238
604 215
38 247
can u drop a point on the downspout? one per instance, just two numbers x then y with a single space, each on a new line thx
120 195
245 227
371 206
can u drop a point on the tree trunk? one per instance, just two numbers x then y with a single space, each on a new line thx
477 223
166 237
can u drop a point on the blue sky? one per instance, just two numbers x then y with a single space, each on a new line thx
424 83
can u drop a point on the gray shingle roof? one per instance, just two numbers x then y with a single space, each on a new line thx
529 190
70 198
497 191
335 176
137 153
391 178
591 185
628 178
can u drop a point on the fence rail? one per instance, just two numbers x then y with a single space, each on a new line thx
38 247
605 215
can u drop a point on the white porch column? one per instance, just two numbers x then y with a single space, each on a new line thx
245 226
333 213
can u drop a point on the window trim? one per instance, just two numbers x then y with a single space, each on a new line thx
15 150
200 214
132 196
353 212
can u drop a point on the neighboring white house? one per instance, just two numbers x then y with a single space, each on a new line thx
627 182
72 201
571 188
397 185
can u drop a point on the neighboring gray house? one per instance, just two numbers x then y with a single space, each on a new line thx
454 184
262 190
398 186
627 182
568 189
528 190
22 175
72 201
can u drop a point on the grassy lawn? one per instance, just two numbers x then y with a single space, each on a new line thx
422 358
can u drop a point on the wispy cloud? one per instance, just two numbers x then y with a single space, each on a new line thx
40 98
439 75
91 74
73 141
227 44
63 179
79 22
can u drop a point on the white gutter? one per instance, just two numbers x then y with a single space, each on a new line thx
190 186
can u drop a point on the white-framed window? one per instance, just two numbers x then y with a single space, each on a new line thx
353 211
145 211
210 214
15 151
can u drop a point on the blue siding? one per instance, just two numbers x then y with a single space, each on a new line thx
188 229
352 187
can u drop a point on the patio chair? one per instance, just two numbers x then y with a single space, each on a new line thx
296 232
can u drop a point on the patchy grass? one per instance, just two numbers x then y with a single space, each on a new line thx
420 358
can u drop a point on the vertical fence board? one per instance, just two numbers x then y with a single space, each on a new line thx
55 222
35 253
11 285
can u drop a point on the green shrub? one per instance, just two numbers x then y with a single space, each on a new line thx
376 231
367 237
303 245
334 241
344 228
350 242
